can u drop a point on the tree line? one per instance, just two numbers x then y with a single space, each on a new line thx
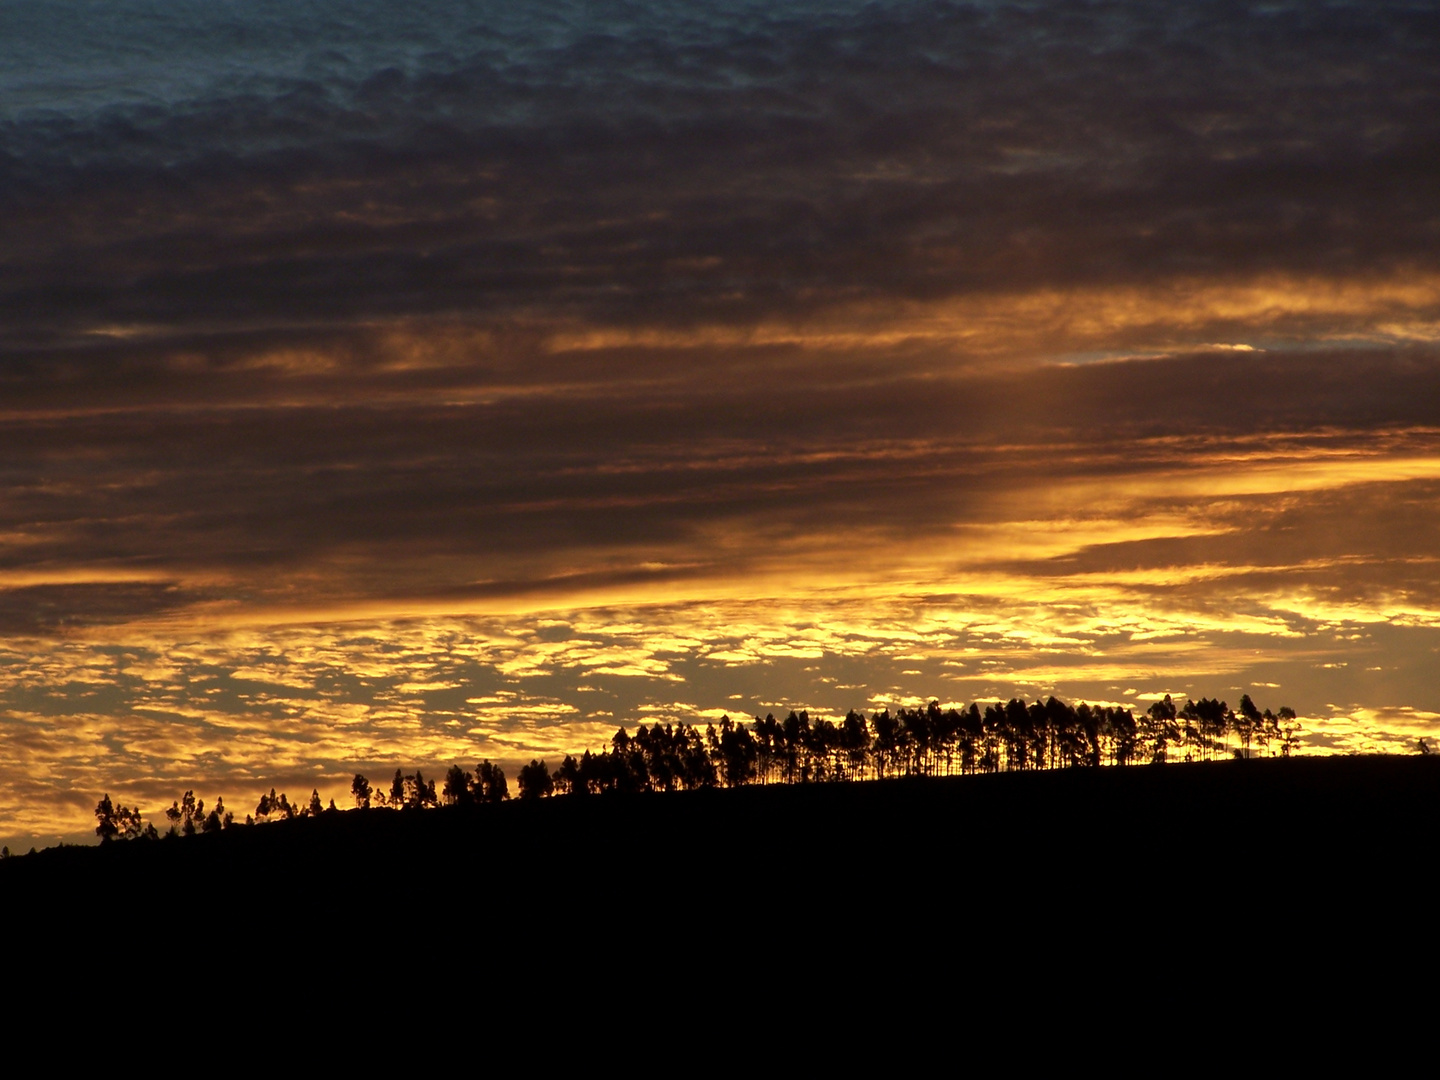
929 741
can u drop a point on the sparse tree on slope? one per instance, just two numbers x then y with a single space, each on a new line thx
116 822
187 815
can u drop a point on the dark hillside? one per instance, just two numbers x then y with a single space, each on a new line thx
1238 842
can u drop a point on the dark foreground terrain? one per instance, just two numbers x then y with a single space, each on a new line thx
1093 859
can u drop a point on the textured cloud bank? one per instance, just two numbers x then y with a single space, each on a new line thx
676 165
386 386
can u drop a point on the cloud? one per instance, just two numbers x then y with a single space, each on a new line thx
726 168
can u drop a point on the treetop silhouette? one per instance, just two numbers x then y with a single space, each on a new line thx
930 741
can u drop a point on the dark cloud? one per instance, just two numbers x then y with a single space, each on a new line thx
579 485
638 168
51 609
1362 541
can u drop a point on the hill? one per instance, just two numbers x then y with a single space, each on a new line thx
1098 854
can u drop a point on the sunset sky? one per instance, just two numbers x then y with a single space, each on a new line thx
396 385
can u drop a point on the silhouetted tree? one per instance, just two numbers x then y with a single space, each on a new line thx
187 815
697 768
116 822
273 805
738 753
416 793
535 781
360 788
490 783
887 740
855 742
795 731
567 778
1124 735
1247 723
456 789
1160 729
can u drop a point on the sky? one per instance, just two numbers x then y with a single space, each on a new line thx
391 386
